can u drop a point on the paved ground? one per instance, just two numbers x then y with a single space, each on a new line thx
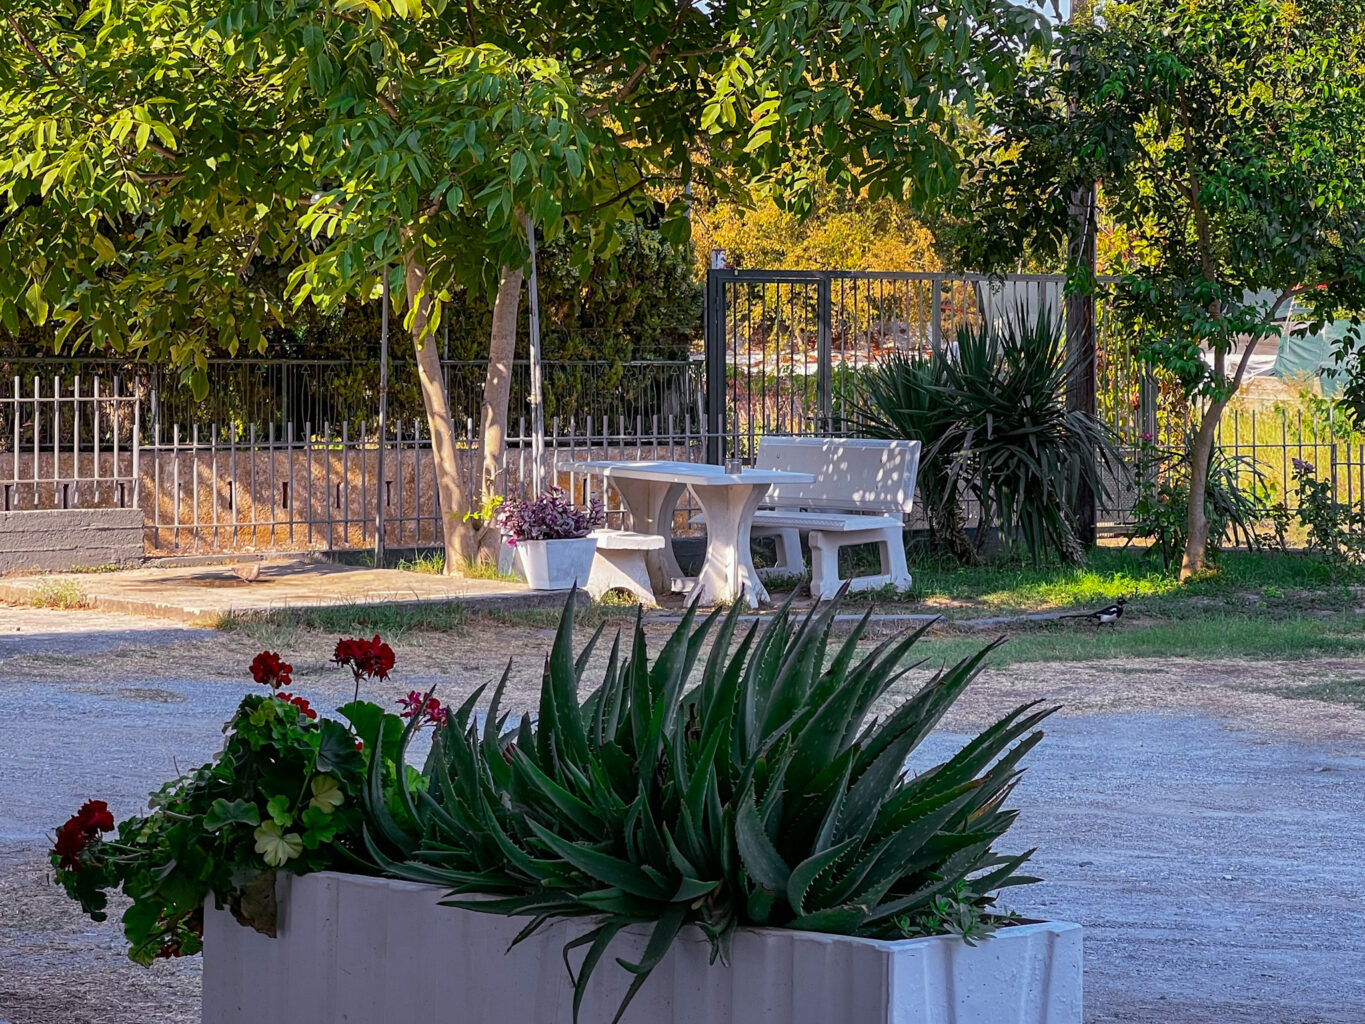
1209 835
201 594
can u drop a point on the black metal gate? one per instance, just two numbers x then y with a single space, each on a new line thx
784 348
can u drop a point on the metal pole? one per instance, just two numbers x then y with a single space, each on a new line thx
537 395
380 490
1081 342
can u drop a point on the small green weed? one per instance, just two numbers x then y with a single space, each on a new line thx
63 594
1206 637
432 562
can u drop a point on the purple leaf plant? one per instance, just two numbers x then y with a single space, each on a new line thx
551 516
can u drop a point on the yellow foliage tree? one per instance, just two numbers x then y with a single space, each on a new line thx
841 233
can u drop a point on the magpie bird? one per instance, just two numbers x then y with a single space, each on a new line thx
1105 616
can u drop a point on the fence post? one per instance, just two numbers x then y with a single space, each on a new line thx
936 312
824 359
383 417
715 366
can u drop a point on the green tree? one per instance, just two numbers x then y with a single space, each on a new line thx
1228 137
178 173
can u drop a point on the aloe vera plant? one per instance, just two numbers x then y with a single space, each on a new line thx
756 790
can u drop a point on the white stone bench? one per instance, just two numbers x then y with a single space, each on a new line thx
862 492
619 564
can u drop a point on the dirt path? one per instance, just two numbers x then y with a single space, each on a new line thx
1207 831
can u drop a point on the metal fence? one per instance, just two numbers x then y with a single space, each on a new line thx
69 445
786 352
211 491
785 349
284 453
297 393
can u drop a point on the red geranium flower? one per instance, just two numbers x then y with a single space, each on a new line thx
301 703
269 669
79 831
371 659
95 814
70 842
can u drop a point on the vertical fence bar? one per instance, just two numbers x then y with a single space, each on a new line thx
824 370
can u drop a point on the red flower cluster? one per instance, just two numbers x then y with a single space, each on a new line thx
431 709
305 709
367 658
269 669
80 830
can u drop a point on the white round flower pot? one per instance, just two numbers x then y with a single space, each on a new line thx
555 564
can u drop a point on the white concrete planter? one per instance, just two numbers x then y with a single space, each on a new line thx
555 564
376 951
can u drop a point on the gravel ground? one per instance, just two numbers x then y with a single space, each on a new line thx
1209 834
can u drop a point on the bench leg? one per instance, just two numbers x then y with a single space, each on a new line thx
790 561
621 570
824 559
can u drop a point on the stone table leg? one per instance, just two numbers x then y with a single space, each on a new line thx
650 505
728 570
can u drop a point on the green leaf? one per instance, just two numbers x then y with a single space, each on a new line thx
222 813
756 850
337 752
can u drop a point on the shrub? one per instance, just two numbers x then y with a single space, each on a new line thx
903 400
759 794
551 516
1335 530
993 411
1163 502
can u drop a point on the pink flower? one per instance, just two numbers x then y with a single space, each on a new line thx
429 708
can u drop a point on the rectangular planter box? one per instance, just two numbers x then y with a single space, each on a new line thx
377 951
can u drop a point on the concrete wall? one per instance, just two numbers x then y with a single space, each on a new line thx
58 539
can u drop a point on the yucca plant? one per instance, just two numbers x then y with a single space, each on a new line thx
902 399
759 792
993 414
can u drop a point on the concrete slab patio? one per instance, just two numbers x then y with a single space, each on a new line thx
204 593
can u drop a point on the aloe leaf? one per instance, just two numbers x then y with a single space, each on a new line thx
756 850
839 920
602 866
811 868
600 938
670 923
577 812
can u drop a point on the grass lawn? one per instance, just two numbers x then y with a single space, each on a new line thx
1113 572
1251 605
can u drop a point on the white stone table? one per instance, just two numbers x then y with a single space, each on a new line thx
650 492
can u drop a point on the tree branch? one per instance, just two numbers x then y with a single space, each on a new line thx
632 83
65 83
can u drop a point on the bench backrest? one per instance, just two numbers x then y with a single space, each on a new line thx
851 474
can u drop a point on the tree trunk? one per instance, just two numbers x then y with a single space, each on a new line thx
460 538
1197 541
497 389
